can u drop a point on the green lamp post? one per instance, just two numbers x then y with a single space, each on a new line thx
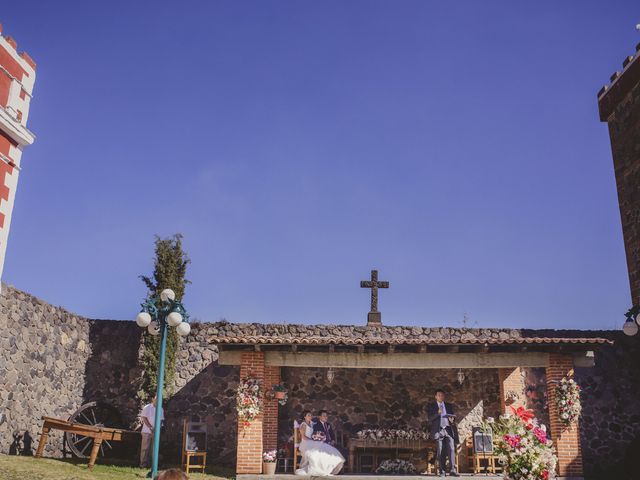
157 315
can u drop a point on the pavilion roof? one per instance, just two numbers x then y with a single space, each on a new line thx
349 335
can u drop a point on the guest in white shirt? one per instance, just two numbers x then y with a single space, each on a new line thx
148 418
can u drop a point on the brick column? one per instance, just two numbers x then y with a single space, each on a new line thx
250 436
262 433
270 423
511 380
565 439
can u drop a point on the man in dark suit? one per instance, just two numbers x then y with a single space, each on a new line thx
441 420
323 426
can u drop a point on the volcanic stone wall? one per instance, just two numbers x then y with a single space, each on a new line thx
52 362
610 433
204 391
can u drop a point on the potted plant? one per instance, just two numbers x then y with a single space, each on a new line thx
280 393
269 462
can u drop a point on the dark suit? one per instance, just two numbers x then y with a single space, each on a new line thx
446 437
327 429
330 436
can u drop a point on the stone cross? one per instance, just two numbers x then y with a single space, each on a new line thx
374 317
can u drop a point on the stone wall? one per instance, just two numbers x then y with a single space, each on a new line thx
52 361
204 391
610 434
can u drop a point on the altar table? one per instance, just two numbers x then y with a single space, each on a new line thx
422 446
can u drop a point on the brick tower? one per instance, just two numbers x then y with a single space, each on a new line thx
17 76
619 105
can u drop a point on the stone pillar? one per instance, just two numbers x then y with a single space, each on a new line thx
512 387
262 433
565 439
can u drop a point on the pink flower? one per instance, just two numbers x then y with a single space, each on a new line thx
512 440
540 434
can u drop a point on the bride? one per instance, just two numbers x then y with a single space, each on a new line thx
318 458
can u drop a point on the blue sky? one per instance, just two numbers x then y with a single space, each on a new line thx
455 146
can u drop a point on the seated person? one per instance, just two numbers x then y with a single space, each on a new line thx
324 428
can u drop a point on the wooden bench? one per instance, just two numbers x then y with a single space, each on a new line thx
99 434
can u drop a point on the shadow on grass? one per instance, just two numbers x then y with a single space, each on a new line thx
214 470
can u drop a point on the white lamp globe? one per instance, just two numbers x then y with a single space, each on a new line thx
183 329
153 328
174 319
143 319
167 294
630 328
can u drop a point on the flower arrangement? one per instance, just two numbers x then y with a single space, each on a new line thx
522 446
567 396
396 466
270 457
249 399
280 393
318 436
381 434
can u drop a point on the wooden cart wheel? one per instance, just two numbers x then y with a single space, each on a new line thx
98 414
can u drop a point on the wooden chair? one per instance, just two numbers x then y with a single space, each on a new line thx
188 455
297 439
482 462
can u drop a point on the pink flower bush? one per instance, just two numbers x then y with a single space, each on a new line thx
522 446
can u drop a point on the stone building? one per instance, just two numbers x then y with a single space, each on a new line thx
17 76
619 106
495 360
52 362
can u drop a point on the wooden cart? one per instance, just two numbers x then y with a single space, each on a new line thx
96 434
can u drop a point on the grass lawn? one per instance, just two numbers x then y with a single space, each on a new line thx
30 468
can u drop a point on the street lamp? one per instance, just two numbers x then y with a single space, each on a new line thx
157 314
630 327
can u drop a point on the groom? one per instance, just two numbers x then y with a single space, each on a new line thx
323 426
443 430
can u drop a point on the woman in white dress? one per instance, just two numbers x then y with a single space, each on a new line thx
318 458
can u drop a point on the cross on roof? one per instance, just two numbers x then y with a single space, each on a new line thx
374 317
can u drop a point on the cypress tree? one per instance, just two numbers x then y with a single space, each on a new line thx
169 271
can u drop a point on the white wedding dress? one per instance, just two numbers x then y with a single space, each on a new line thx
318 458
